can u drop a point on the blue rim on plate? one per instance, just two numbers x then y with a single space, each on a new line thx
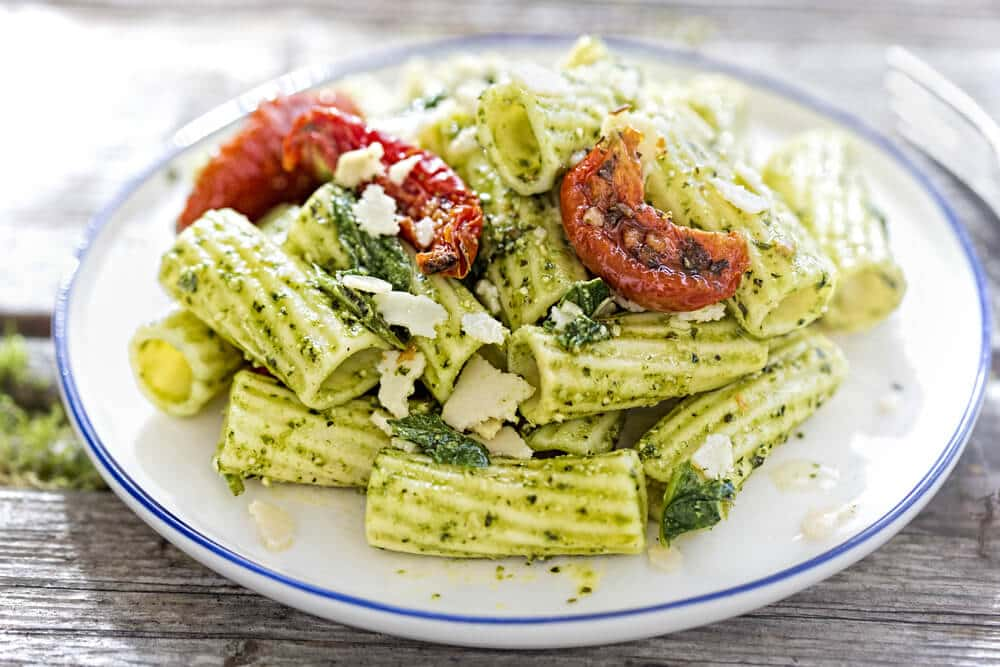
234 110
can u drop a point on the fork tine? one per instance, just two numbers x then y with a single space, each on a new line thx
915 69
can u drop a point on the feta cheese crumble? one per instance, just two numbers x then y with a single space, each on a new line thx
715 456
382 422
420 314
507 442
376 212
369 284
538 79
401 170
562 315
483 328
666 558
423 230
483 393
488 295
275 526
358 166
710 313
398 371
739 196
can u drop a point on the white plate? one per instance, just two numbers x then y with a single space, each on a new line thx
890 464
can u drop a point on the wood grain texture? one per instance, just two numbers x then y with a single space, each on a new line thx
84 581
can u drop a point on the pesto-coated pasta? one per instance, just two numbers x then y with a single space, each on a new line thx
313 235
531 124
650 357
180 364
756 413
584 436
790 280
564 505
225 271
268 433
816 175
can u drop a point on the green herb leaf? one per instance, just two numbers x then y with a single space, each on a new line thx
440 441
380 256
692 502
357 304
589 295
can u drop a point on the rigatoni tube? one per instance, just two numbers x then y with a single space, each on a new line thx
180 363
584 436
564 505
755 413
225 271
268 433
815 173
790 280
650 357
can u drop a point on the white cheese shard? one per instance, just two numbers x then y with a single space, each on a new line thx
382 422
538 79
819 524
483 393
356 167
890 402
507 442
405 445
399 171
275 526
739 196
715 456
626 304
423 230
483 328
750 177
420 314
488 429
369 284
666 558
398 371
489 296
709 313
562 315
376 212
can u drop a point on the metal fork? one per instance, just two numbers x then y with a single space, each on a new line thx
942 120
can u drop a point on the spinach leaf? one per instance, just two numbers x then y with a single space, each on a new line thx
380 256
357 304
691 502
584 298
440 441
589 295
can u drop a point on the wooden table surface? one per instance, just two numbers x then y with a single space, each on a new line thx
91 91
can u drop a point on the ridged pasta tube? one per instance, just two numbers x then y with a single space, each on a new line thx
815 173
585 436
790 280
531 125
268 433
313 235
756 413
226 272
564 505
650 357
708 445
180 364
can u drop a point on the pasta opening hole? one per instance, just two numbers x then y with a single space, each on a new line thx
865 297
165 371
798 306
516 140
351 378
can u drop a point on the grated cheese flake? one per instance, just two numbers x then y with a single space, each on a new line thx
488 295
564 314
382 422
423 230
709 313
399 371
507 442
369 284
483 328
715 456
420 314
275 526
357 166
399 171
739 196
483 393
376 212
